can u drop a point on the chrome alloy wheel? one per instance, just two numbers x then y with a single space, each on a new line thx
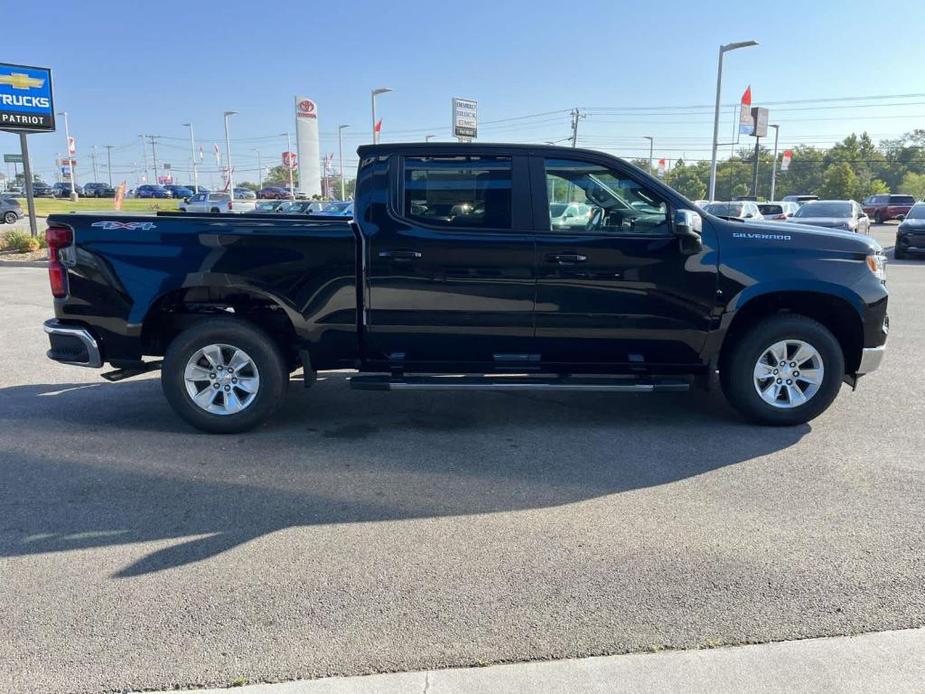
221 379
789 373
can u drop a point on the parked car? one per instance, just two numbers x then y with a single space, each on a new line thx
882 208
15 189
833 214
150 190
746 210
910 236
215 203
244 194
43 190
800 199
268 206
777 211
341 208
273 193
302 207
10 210
569 215
62 189
98 190
179 192
652 297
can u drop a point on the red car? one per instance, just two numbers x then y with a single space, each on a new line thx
273 193
880 208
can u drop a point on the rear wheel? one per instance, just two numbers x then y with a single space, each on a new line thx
785 370
10 218
224 376
215 210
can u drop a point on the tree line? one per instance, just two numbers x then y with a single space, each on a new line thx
850 170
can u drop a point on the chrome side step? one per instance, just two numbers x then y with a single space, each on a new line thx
613 384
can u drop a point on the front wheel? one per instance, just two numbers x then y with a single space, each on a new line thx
10 218
224 375
785 370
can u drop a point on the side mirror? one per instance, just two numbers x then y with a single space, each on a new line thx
687 223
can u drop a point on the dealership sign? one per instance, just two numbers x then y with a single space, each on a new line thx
26 101
465 118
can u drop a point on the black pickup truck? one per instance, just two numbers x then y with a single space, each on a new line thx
453 275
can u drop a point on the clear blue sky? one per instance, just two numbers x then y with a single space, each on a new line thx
123 68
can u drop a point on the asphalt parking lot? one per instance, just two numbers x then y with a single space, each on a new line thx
364 532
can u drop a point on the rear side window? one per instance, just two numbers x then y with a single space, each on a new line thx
902 200
471 192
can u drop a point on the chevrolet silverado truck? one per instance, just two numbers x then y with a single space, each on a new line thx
451 276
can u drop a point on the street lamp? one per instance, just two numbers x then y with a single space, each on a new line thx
192 150
651 149
774 165
340 155
289 165
719 86
228 155
375 93
70 160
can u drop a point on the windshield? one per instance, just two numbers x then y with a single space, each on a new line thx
771 209
917 212
825 209
725 209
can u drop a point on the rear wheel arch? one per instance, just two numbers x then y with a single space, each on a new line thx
835 313
177 310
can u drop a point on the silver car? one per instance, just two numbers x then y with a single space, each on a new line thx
746 210
833 214
10 210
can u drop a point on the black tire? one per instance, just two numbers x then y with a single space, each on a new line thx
737 373
898 254
266 356
215 210
10 218
878 218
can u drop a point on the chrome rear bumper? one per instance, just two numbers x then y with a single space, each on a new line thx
71 344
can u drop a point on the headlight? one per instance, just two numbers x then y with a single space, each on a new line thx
877 265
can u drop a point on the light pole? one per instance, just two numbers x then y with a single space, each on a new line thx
259 169
228 155
289 165
70 159
340 155
144 151
192 151
375 93
719 87
774 164
651 150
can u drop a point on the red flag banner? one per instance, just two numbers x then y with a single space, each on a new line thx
746 122
120 196
785 160
378 127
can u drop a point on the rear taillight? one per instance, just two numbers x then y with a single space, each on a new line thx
57 238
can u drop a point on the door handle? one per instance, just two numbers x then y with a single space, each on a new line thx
567 258
400 254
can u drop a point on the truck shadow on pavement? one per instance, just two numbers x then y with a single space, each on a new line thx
97 465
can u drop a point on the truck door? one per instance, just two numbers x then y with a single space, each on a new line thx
615 287
450 263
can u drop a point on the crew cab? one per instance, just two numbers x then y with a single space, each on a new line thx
882 208
451 276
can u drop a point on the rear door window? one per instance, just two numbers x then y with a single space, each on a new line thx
468 192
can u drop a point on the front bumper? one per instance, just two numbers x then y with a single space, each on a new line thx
72 344
871 357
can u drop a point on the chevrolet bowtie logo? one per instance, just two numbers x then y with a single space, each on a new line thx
19 80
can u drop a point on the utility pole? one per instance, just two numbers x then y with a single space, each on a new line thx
651 151
192 150
259 169
93 160
228 154
154 154
144 151
755 169
70 157
109 162
774 165
576 116
340 156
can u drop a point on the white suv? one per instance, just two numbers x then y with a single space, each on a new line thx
216 203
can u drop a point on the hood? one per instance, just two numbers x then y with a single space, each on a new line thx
912 224
782 235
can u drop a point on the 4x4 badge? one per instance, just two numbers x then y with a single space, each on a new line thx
111 225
